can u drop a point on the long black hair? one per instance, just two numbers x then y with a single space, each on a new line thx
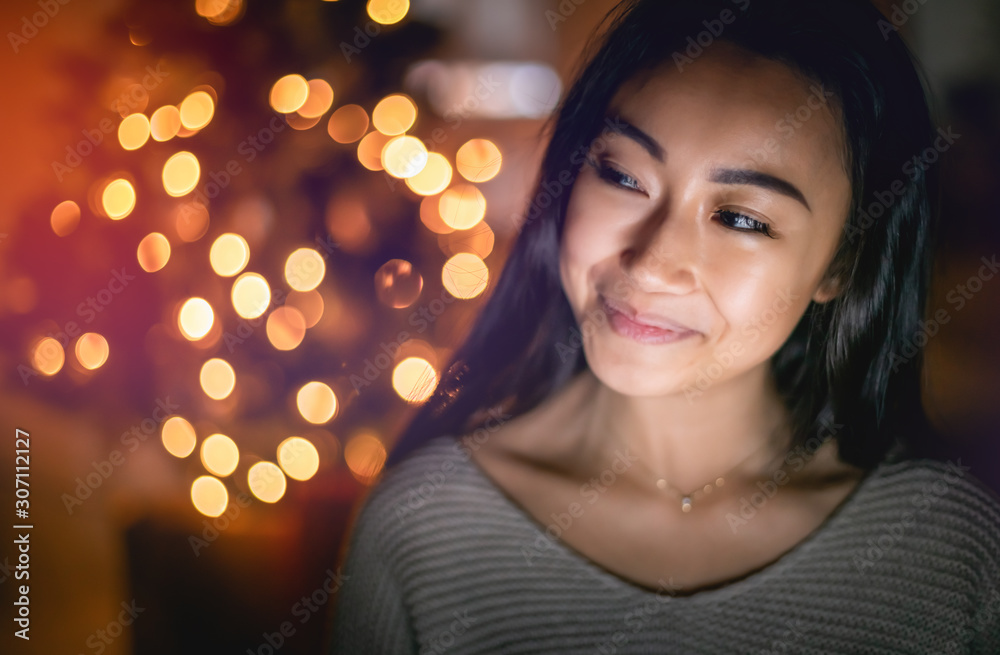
853 363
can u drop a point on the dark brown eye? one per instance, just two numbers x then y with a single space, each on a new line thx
742 222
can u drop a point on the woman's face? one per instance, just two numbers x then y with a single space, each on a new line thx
713 206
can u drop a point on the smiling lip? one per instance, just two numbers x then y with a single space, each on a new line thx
645 328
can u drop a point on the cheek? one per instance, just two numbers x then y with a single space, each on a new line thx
762 320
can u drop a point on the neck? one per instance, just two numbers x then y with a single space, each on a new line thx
690 441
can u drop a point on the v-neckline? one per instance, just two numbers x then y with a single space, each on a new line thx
706 594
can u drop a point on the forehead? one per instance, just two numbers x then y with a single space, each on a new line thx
737 106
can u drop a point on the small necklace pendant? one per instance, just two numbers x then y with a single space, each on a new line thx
686 504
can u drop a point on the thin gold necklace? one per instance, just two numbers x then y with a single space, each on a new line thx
687 498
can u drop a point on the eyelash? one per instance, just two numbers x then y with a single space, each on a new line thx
615 177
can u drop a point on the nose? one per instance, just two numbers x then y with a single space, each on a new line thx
662 256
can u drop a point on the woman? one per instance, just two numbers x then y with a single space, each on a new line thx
687 418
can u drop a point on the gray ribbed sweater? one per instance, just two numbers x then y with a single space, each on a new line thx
441 560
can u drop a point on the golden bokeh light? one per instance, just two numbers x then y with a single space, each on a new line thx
91 350
195 318
48 356
298 458
65 217
219 455
181 173
289 93
196 110
319 101
217 378
286 328
434 178
220 12
251 295
133 131
430 216
316 402
348 124
266 481
398 284
165 123
414 379
153 252
229 254
178 436
370 150
404 156
209 496
309 303
365 456
462 206
118 199
394 115
478 160
465 275
388 12
304 269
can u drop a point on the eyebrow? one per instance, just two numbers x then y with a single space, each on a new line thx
734 176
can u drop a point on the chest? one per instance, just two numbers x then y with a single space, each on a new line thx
639 533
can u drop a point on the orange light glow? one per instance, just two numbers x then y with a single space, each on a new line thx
370 150
133 131
289 93
286 328
465 275
298 458
178 436
319 101
462 206
251 295
153 252
219 455
388 12
478 160
181 173
394 115
316 402
309 303
404 156
397 283
196 110
229 254
209 496
48 356
191 221
118 199
304 269
165 123
195 318
217 378
266 481
348 124
91 350
65 217
434 178
365 457
414 379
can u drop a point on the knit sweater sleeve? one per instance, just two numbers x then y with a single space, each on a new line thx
370 615
986 623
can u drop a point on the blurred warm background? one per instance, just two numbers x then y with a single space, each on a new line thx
240 239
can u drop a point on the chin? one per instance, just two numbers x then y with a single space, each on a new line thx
629 374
